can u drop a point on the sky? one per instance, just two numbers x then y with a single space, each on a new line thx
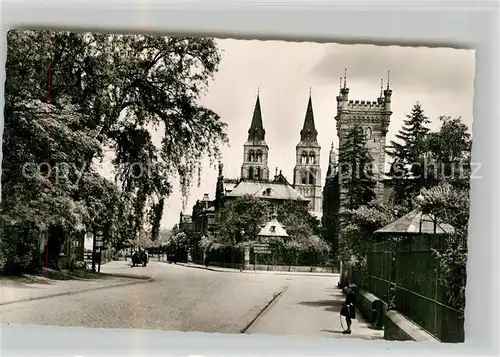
441 79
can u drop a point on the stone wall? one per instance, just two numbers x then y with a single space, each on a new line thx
399 328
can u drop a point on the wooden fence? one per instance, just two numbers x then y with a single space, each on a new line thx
403 274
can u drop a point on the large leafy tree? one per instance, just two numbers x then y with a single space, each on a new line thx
245 214
249 214
449 154
357 232
75 94
355 171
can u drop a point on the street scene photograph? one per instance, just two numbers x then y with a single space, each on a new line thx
236 186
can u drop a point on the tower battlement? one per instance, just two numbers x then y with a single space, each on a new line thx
369 106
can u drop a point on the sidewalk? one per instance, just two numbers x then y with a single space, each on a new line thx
34 287
250 271
311 307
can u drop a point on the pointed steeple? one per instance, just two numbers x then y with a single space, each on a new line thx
332 163
256 131
308 131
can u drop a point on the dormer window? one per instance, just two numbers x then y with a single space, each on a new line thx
273 229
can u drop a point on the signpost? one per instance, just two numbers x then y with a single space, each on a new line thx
98 243
260 248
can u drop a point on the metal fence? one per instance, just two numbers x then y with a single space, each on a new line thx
408 265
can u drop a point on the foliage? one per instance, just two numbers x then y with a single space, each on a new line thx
143 240
450 205
245 214
412 137
331 205
249 214
178 241
450 154
444 183
356 176
423 159
357 230
68 96
209 243
408 155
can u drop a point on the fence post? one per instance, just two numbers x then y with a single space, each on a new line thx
393 277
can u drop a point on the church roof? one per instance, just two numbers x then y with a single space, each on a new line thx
309 132
273 228
229 187
267 190
256 131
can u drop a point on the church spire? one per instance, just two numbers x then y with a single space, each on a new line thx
256 131
332 163
308 131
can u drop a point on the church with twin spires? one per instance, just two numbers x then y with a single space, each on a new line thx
255 177
306 187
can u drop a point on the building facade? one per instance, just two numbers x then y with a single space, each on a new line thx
255 178
374 117
307 171
255 149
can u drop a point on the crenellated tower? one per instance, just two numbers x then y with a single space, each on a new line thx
255 149
374 117
307 171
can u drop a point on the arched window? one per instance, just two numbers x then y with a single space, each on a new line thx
303 177
368 133
251 155
258 173
258 156
304 158
312 157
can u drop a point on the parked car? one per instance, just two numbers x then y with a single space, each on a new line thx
139 257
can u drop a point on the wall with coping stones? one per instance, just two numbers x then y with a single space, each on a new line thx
396 326
399 328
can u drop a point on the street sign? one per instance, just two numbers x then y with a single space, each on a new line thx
261 248
261 245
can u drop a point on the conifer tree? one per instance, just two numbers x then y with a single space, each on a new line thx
331 205
407 155
356 176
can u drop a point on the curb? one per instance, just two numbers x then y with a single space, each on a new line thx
322 275
265 309
67 293
211 269
131 276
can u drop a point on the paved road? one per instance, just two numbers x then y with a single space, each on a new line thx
180 298
192 299
310 307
